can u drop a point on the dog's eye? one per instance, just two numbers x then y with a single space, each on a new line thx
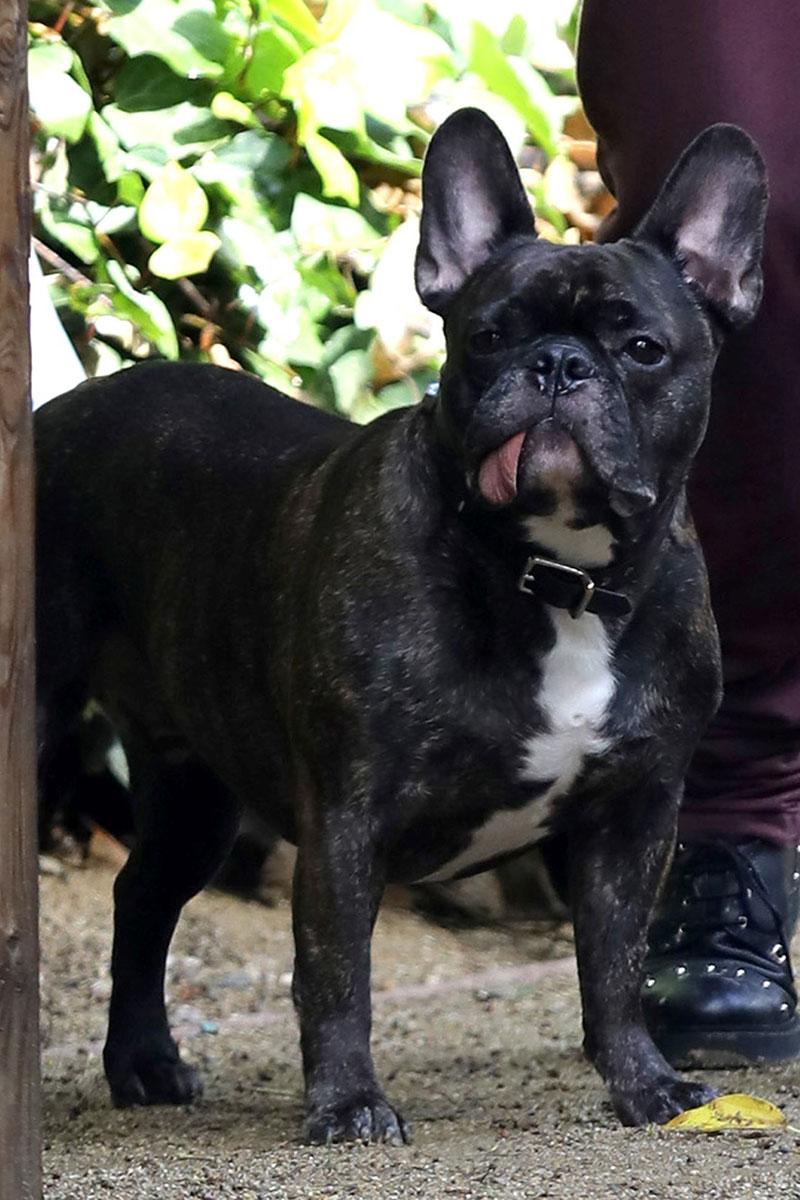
485 341
644 350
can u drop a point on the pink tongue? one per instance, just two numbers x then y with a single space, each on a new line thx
497 478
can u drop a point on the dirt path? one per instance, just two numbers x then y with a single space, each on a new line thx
476 1038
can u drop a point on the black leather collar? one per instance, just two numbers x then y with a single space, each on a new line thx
571 588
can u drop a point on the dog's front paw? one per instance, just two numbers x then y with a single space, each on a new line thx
150 1076
366 1118
660 1099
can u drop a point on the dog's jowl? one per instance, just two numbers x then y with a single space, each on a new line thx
417 646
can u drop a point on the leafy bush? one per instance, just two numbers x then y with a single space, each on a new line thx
238 180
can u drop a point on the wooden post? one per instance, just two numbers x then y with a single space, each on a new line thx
20 1166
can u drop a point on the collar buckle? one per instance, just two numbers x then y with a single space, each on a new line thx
583 586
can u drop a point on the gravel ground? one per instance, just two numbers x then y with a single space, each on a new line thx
476 1037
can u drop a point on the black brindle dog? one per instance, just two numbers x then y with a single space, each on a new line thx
418 646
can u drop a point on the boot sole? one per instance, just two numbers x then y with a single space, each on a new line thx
688 1049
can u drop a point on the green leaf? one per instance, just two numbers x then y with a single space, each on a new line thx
528 25
397 154
413 11
400 394
257 152
350 376
330 227
80 297
147 84
253 245
206 35
59 102
322 88
227 108
86 171
45 57
105 359
188 255
147 161
184 33
274 49
296 15
338 13
108 148
489 62
514 38
249 169
120 218
67 224
79 72
393 64
147 312
338 177
130 189
343 370
293 336
277 375
283 302
177 132
174 205
335 85
325 288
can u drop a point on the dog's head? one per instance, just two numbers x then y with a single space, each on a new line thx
582 374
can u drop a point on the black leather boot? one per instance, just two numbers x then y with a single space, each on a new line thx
719 989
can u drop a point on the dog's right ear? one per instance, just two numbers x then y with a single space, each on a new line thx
709 219
472 201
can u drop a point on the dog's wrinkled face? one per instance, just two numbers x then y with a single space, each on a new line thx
584 367
583 372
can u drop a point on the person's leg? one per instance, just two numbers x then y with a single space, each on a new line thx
652 76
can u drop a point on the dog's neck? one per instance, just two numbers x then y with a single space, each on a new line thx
620 556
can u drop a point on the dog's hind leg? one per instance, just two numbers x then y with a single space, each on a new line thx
186 824
58 755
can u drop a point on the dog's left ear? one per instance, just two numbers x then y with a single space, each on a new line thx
472 201
709 217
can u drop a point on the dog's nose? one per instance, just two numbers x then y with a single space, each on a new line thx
559 366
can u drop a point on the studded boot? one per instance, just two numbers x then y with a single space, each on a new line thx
719 988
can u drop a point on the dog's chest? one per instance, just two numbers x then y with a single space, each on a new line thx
576 688
571 703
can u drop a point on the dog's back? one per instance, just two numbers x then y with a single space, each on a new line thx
174 418
194 451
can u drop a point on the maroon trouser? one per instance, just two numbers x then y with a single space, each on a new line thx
653 73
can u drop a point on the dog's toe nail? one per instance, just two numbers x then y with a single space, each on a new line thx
365 1123
396 1134
361 1125
156 1081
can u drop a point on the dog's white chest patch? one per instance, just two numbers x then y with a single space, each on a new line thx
576 688
592 546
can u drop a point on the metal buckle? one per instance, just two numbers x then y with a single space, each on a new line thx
527 582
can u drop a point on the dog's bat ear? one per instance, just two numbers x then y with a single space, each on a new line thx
709 218
472 201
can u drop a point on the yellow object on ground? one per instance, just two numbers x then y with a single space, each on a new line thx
737 1111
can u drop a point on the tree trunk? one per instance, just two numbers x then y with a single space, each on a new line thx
20 1169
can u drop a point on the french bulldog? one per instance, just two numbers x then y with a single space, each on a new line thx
422 645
